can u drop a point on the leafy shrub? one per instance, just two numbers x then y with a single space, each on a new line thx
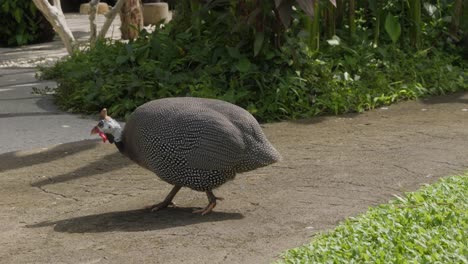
288 83
365 77
426 226
23 24
123 76
225 57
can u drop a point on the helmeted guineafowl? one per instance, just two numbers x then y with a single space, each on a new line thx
191 142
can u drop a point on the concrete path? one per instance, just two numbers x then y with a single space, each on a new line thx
30 121
82 202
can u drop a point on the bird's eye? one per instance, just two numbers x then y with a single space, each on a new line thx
101 124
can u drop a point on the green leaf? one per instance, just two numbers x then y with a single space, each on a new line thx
234 52
258 43
253 15
284 8
243 65
19 39
393 27
5 7
18 15
32 8
121 59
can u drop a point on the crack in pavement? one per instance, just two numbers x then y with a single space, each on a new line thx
339 197
56 194
447 163
433 136
118 194
408 170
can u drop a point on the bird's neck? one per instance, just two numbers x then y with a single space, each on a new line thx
117 134
117 138
120 145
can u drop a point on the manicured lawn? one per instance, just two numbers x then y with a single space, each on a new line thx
426 226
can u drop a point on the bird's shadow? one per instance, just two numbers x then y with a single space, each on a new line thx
135 220
11 160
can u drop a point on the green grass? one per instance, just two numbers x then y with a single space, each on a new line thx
426 226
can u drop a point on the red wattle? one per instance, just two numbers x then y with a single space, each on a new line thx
103 136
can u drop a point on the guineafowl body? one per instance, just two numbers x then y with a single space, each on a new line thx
195 142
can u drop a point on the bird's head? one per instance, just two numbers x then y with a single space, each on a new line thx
107 128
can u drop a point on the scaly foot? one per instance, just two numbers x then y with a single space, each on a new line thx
167 202
212 204
161 205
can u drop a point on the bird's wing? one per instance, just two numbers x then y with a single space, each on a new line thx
220 146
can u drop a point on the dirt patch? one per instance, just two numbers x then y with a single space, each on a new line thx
80 202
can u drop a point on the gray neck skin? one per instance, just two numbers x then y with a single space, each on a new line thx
116 137
120 146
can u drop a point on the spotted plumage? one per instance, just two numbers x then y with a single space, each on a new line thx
193 142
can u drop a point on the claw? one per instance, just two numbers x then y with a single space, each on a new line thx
167 202
157 207
207 209
212 204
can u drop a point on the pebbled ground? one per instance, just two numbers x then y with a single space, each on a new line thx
80 202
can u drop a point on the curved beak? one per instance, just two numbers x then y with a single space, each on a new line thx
96 130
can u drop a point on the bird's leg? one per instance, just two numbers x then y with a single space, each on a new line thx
212 203
167 201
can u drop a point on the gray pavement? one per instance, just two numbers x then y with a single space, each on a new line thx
30 121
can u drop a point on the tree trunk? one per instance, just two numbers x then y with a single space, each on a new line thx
415 29
313 27
457 11
93 4
131 18
53 14
330 20
56 18
339 13
351 16
110 17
